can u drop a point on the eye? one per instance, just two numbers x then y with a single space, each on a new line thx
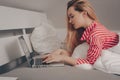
71 16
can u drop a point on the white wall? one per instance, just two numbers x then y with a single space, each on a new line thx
107 10
12 18
57 14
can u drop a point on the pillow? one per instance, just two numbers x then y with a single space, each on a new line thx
81 52
44 39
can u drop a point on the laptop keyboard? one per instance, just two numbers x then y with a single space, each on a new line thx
39 63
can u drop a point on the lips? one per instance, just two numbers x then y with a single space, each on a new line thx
72 24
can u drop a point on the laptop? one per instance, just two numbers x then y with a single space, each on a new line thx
33 58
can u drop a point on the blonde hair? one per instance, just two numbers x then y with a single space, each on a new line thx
73 36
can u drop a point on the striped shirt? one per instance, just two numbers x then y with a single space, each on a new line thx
98 38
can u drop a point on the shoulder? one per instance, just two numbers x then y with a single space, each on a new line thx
98 30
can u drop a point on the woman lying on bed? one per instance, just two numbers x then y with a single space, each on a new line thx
83 26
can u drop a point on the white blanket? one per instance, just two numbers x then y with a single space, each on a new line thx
108 62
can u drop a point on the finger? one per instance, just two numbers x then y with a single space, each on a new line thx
44 56
50 61
47 59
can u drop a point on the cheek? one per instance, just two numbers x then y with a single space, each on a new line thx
78 22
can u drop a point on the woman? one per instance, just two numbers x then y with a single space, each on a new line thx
83 26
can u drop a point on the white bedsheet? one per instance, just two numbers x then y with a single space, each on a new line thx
108 62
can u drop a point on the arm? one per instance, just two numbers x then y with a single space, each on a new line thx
59 55
66 57
94 51
69 60
61 52
49 58
65 52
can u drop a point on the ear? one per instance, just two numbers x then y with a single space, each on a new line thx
84 13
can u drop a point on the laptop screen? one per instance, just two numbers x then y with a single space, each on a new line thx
25 49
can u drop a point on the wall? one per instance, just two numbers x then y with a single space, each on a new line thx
12 18
107 11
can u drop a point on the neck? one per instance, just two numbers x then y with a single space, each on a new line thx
88 22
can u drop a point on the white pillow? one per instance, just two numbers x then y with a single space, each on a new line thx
81 52
44 39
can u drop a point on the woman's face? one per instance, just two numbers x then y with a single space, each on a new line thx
76 18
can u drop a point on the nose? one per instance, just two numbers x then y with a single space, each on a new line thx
70 21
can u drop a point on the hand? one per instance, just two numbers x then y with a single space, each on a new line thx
49 58
61 52
58 51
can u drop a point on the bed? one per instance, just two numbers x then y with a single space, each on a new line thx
58 73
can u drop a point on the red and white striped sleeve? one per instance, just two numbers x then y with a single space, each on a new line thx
94 51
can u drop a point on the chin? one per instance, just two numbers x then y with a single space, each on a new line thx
80 28
77 27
